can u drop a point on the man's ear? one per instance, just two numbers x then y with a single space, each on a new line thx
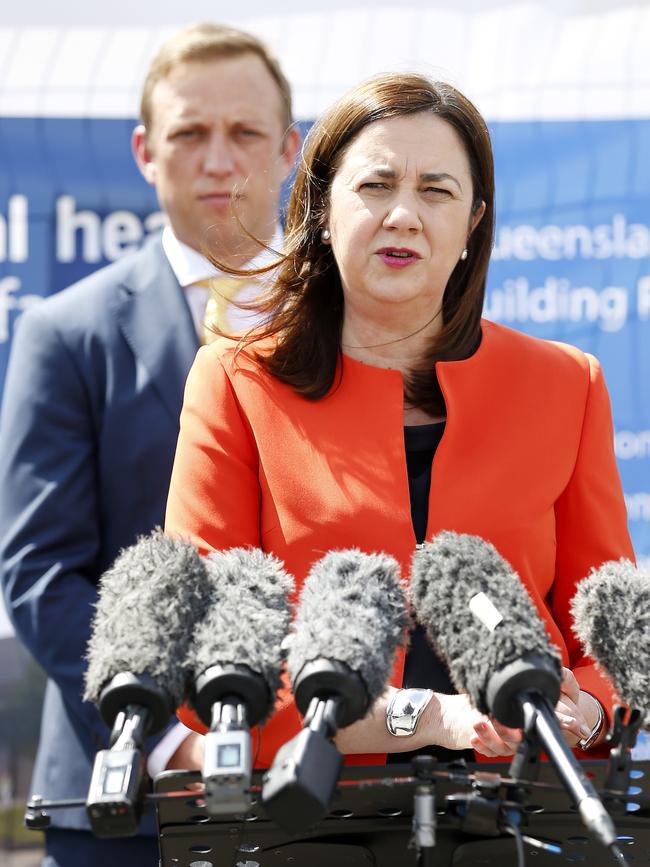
290 149
142 154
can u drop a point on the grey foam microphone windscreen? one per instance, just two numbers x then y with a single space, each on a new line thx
447 573
248 614
611 611
351 609
148 601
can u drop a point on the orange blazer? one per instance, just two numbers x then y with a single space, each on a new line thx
526 461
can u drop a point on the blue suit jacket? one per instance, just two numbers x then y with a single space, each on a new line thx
87 438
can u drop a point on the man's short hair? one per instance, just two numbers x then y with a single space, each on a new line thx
204 42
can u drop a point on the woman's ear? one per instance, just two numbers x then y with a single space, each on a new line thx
476 217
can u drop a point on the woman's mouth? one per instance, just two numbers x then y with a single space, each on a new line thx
397 257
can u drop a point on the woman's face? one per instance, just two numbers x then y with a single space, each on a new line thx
400 215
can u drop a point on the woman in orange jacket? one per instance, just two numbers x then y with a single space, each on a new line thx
377 408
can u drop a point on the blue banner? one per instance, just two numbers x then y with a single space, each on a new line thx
571 259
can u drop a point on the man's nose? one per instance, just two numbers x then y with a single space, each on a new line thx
218 158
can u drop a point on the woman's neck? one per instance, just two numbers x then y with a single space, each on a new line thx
414 415
397 346
401 346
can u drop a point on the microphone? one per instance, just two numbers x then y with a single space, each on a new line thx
482 620
136 671
350 620
611 612
235 656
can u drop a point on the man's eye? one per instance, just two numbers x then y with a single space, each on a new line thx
186 133
248 132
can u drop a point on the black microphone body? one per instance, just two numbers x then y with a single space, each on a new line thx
136 667
351 617
483 622
236 657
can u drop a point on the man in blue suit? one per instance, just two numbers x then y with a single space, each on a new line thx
94 390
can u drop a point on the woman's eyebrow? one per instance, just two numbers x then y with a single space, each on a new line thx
440 176
390 174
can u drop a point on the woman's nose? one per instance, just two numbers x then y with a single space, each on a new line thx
403 214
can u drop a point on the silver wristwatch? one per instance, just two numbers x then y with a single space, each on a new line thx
405 709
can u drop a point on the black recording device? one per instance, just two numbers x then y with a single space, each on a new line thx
229 699
138 708
236 658
137 668
351 617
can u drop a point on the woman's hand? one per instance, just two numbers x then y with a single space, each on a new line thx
576 711
452 722
448 720
463 727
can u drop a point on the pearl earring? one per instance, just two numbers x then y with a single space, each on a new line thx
325 235
464 254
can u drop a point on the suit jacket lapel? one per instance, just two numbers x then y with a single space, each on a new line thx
156 322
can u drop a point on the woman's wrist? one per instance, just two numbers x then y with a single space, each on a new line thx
596 721
448 722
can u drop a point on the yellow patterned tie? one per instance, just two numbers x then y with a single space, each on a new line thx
221 292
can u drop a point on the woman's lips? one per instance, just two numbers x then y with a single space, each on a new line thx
397 257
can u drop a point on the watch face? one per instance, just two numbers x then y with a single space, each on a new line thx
405 709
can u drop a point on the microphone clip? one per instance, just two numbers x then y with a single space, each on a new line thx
622 738
524 766
625 727
424 808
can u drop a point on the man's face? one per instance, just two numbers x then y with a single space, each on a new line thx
216 152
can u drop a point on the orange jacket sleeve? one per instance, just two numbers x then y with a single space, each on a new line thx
591 526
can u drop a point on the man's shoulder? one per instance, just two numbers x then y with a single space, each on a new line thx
105 281
86 304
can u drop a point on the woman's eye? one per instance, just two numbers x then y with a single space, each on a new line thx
439 191
373 185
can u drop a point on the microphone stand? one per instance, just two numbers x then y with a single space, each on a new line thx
621 737
522 694
300 783
298 787
424 810
539 717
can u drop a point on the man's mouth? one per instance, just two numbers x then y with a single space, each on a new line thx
219 197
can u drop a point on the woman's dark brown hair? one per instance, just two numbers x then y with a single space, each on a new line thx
305 302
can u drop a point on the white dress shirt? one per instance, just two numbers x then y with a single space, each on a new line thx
191 267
